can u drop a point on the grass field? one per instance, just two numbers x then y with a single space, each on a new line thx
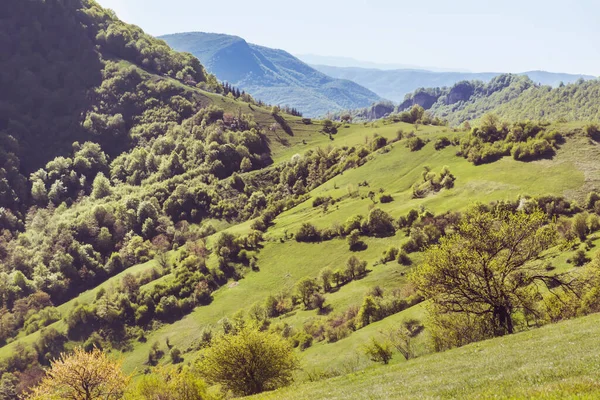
554 362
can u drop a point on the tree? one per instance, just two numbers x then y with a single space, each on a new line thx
368 312
326 277
355 267
380 223
305 289
580 226
82 376
249 361
484 269
101 186
354 241
379 352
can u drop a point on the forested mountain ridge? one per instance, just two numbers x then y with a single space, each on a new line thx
65 77
512 97
272 75
395 84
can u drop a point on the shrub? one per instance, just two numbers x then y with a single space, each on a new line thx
308 233
317 201
302 340
385 198
404 259
415 143
175 354
249 362
441 143
580 258
378 142
593 131
390 254
378 351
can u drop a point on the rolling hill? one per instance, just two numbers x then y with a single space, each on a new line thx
396 84
271 75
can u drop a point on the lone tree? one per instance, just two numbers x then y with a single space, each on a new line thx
484 271
249 362
82 376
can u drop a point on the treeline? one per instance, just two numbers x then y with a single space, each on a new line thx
511 97
573 102
468 100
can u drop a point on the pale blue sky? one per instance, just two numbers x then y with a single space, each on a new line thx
476 35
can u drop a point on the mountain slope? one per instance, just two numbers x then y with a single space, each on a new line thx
271 75
556 361
395 84
63 65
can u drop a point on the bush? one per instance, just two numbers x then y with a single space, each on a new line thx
379 352
532 150
415 143
249 362
308 233
390 254
592 131
441 143
404 259
302 340
317 201
175 354
580 258
385 198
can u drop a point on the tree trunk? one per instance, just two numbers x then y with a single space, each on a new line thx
504 318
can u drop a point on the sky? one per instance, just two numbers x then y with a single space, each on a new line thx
472 35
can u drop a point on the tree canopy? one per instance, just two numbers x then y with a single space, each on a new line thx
249 361
485 268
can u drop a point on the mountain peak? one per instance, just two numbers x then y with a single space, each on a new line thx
272 75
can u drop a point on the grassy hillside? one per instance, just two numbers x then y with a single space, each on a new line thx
271 75
283 264
555 362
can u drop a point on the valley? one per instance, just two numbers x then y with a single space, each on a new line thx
231 222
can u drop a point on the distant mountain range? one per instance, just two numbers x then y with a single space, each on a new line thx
271 75
396 84
336 61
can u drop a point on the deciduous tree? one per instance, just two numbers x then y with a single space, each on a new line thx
82 376
485 268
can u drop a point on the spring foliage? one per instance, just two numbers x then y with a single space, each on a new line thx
249 362
485 269
82 376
